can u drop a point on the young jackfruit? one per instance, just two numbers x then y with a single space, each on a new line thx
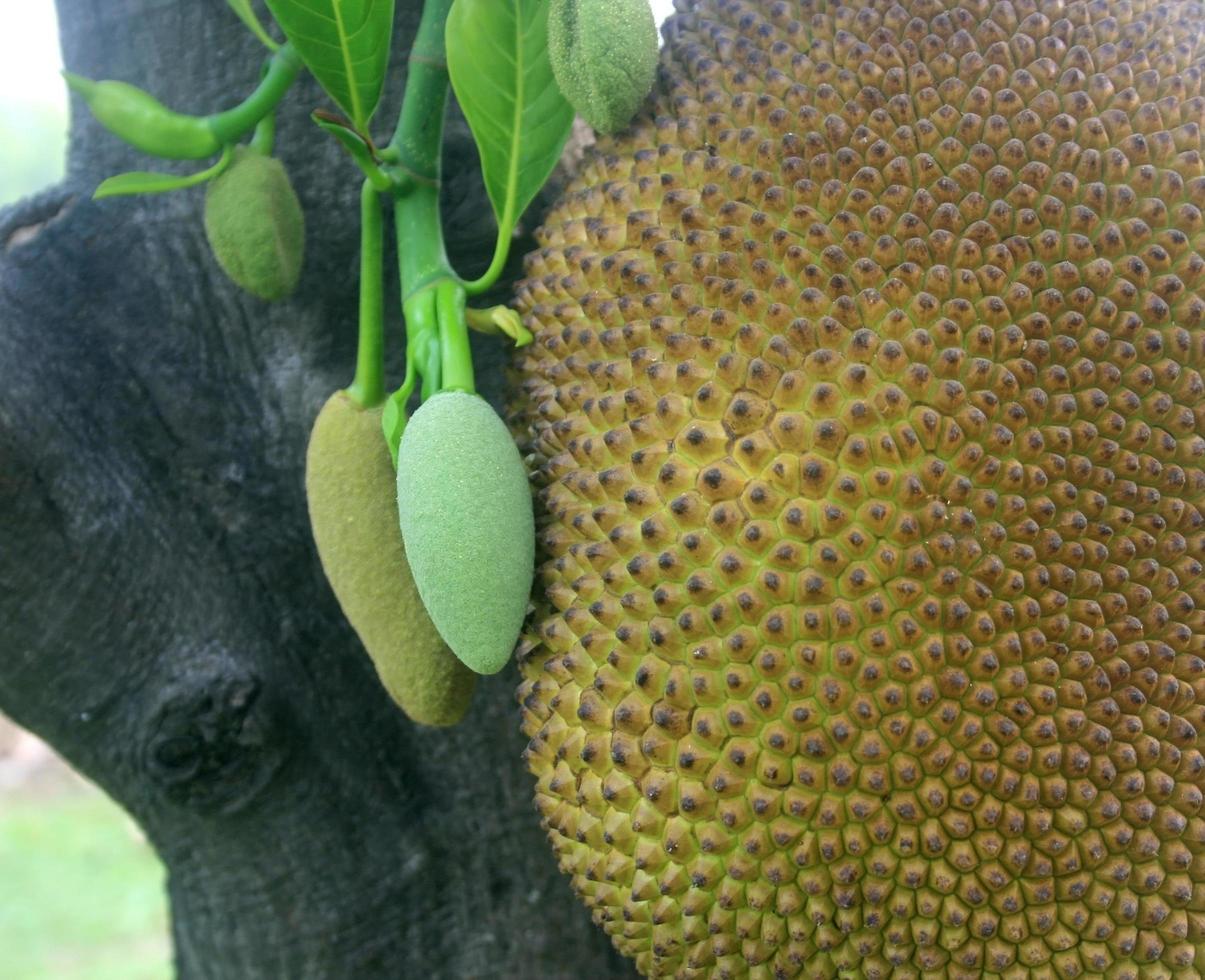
349 485
866 403
464 507
255 225
604 57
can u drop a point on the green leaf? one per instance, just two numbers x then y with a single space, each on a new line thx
150 182
345 44
243 9
498 62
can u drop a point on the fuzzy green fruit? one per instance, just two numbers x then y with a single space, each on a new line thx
465 512
604 56
349 487
255 225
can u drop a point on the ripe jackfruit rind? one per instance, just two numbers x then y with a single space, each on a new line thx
255 225
866 404
604 57
353 514
466 516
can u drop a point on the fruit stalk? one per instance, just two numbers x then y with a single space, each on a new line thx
368 386
435 350
234 123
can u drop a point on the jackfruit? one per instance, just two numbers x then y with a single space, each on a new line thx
465 511
604 57
349 486
865 404
255 225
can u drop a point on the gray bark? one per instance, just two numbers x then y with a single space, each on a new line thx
164 622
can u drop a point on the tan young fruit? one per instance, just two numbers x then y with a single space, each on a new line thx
353 514
866 403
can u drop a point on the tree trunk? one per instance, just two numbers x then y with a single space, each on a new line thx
164 621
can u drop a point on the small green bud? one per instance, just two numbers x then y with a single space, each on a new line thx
464 506
604 57
144 122
255 225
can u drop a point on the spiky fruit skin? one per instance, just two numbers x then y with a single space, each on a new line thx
866 404
352 502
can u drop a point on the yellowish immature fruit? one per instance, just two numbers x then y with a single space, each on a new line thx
349 486
866 400
255 225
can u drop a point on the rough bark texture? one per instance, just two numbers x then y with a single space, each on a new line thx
163 618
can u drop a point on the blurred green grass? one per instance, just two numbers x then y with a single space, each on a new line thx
81 894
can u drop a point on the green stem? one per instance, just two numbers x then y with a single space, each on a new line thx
368 387
264 137
233 124
441 348
393 416
417 143
422 337
486 280
421 257
456 359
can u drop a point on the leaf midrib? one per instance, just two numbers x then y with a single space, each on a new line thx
344 50
517 119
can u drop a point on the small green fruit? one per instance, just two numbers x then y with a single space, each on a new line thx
465 512
255 225
604 56
350 490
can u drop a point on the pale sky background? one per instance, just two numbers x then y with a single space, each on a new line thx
29 54
33 97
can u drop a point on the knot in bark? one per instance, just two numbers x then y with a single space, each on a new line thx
213 743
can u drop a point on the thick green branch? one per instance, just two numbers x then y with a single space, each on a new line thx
418 145
441 353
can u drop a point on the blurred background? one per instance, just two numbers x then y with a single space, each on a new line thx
81 891
33 100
